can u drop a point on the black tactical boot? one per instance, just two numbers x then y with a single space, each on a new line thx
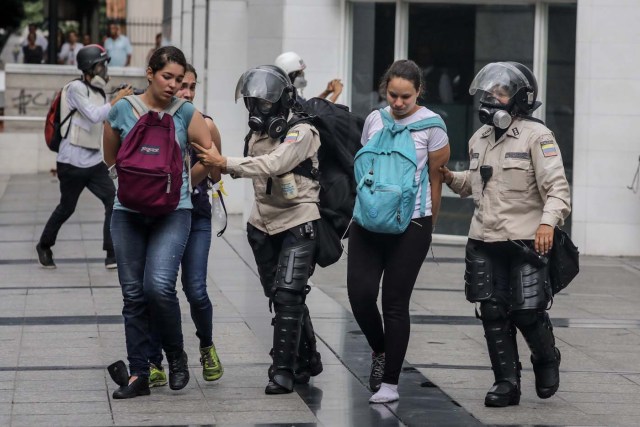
503 352
537 330
286 338
547 375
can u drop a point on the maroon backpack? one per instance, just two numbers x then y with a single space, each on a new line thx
149 162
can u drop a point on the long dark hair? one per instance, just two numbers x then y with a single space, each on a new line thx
164 55
403 68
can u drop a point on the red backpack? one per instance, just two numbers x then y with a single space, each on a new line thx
149 162
53 125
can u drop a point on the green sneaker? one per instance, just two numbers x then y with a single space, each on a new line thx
157 376
211 367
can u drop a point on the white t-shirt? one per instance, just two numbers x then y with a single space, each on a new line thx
68 54
431 139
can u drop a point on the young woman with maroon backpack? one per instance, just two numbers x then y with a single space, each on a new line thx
150 227
195 261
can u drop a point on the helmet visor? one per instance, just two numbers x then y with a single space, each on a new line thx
261 83
498 80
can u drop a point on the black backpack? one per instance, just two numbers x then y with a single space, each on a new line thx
340 133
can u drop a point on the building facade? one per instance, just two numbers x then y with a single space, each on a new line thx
581 51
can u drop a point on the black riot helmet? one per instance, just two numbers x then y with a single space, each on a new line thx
269 96
526 99
91 55
506 89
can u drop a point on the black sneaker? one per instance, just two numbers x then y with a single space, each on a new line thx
45 257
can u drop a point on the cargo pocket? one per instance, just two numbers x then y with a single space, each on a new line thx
517 174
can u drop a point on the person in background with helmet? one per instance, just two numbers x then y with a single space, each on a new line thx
294 66
520 191
79 161
283 223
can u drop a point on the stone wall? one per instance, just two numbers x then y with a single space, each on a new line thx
31 88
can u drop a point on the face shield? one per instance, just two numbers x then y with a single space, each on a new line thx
262 90
498 83
264 84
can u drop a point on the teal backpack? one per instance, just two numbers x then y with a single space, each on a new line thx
385 172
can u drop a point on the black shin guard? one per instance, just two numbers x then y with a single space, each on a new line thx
503 352
286 339
537 330
309 363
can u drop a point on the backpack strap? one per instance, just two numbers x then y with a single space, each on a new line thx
175 106
137 104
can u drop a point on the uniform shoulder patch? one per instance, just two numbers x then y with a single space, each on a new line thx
292 136
548 148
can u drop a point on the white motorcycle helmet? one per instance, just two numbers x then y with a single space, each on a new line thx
290 62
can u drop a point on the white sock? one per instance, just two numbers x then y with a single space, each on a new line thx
387 393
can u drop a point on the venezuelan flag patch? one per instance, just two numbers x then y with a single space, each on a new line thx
548 149
291 136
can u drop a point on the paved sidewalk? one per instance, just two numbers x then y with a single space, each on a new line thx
60 328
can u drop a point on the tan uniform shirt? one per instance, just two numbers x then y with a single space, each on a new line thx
268 158
528 186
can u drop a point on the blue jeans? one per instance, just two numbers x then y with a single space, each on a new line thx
148 251
194 284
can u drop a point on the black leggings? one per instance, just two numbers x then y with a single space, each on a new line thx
399 257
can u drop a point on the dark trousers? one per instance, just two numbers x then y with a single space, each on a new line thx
399 257
72 181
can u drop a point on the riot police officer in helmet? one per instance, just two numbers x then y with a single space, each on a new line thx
520 192
282 226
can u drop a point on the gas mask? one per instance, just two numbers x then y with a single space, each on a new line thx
266 117
100 77
494 116
300 82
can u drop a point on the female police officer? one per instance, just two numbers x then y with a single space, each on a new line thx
520 192
282 225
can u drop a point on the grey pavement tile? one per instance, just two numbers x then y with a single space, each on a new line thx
609 408
616 420
597 397
67 408
59 375
68 395
143 405
568 377
7 376
71 384
166 418
265 417
80 420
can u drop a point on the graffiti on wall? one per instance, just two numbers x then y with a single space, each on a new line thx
25 100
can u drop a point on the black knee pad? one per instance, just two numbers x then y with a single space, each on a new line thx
492 311
526 318
478 274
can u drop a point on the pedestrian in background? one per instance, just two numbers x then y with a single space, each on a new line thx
79 162
520 191
118 46
294 66
70 49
